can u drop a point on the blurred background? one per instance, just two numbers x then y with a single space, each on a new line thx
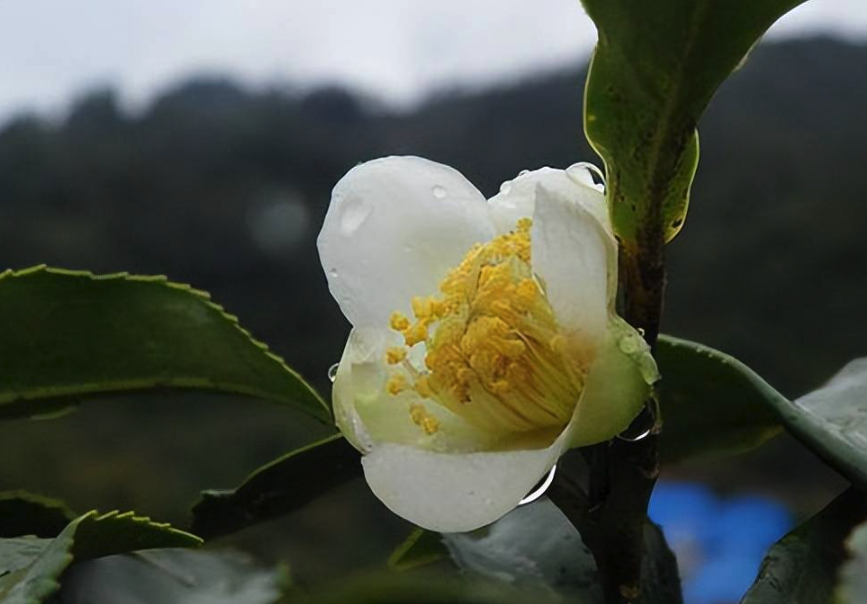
201 139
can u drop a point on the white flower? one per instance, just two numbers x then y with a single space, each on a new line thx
484 343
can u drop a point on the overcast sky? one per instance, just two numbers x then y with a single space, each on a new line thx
396 49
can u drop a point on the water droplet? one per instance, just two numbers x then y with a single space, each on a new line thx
629 344
333 273
583 173
640 428
332 372
354 212
540 490
506 187
641 331
439 192
523 172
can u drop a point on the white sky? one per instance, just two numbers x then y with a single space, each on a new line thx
396 49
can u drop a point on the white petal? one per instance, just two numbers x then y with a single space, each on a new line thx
367 414
577 260
517 198
452 493
617 386
394 228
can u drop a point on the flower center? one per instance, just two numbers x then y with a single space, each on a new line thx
494 352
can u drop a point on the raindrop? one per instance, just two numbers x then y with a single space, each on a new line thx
354 212
640 428
523 172
332 372
506 187
540 490
333 273
439 192
583 173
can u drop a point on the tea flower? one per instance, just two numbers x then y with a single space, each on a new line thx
484 342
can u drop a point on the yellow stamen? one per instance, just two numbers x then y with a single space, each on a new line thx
494 351
396 384
395 354
423 419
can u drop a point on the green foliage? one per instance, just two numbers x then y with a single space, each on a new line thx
277 488
832 421
23 513
656 67
711 403
172 576
30 568
536 548
802 567
69 335
419 549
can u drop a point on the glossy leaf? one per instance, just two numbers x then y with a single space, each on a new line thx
171 576
30 568
656 67
23 513
802 567
832 421
536 548
277 488
711 403
71 335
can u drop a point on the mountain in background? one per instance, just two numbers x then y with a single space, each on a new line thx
225 188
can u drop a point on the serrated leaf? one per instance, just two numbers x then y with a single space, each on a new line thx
711 403
171 576
23 513
32 567
277 488
802 567
69 335
655 68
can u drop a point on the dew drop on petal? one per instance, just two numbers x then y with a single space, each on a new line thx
523 172
333 273
583 173
332 372
541 488
506 187
354 211
439 192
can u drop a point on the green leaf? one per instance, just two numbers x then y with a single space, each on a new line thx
70 335
172 576
853 575
30 568
419 549
405 588
711 403
656 67
23 513
534 547
278 488
802 567
832 421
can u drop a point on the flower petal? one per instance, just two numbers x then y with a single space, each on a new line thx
452 493
517 198
367 414
394 228
617 386
577 260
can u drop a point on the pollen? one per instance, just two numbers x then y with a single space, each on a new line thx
424 420
494 352
396 384
395 355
